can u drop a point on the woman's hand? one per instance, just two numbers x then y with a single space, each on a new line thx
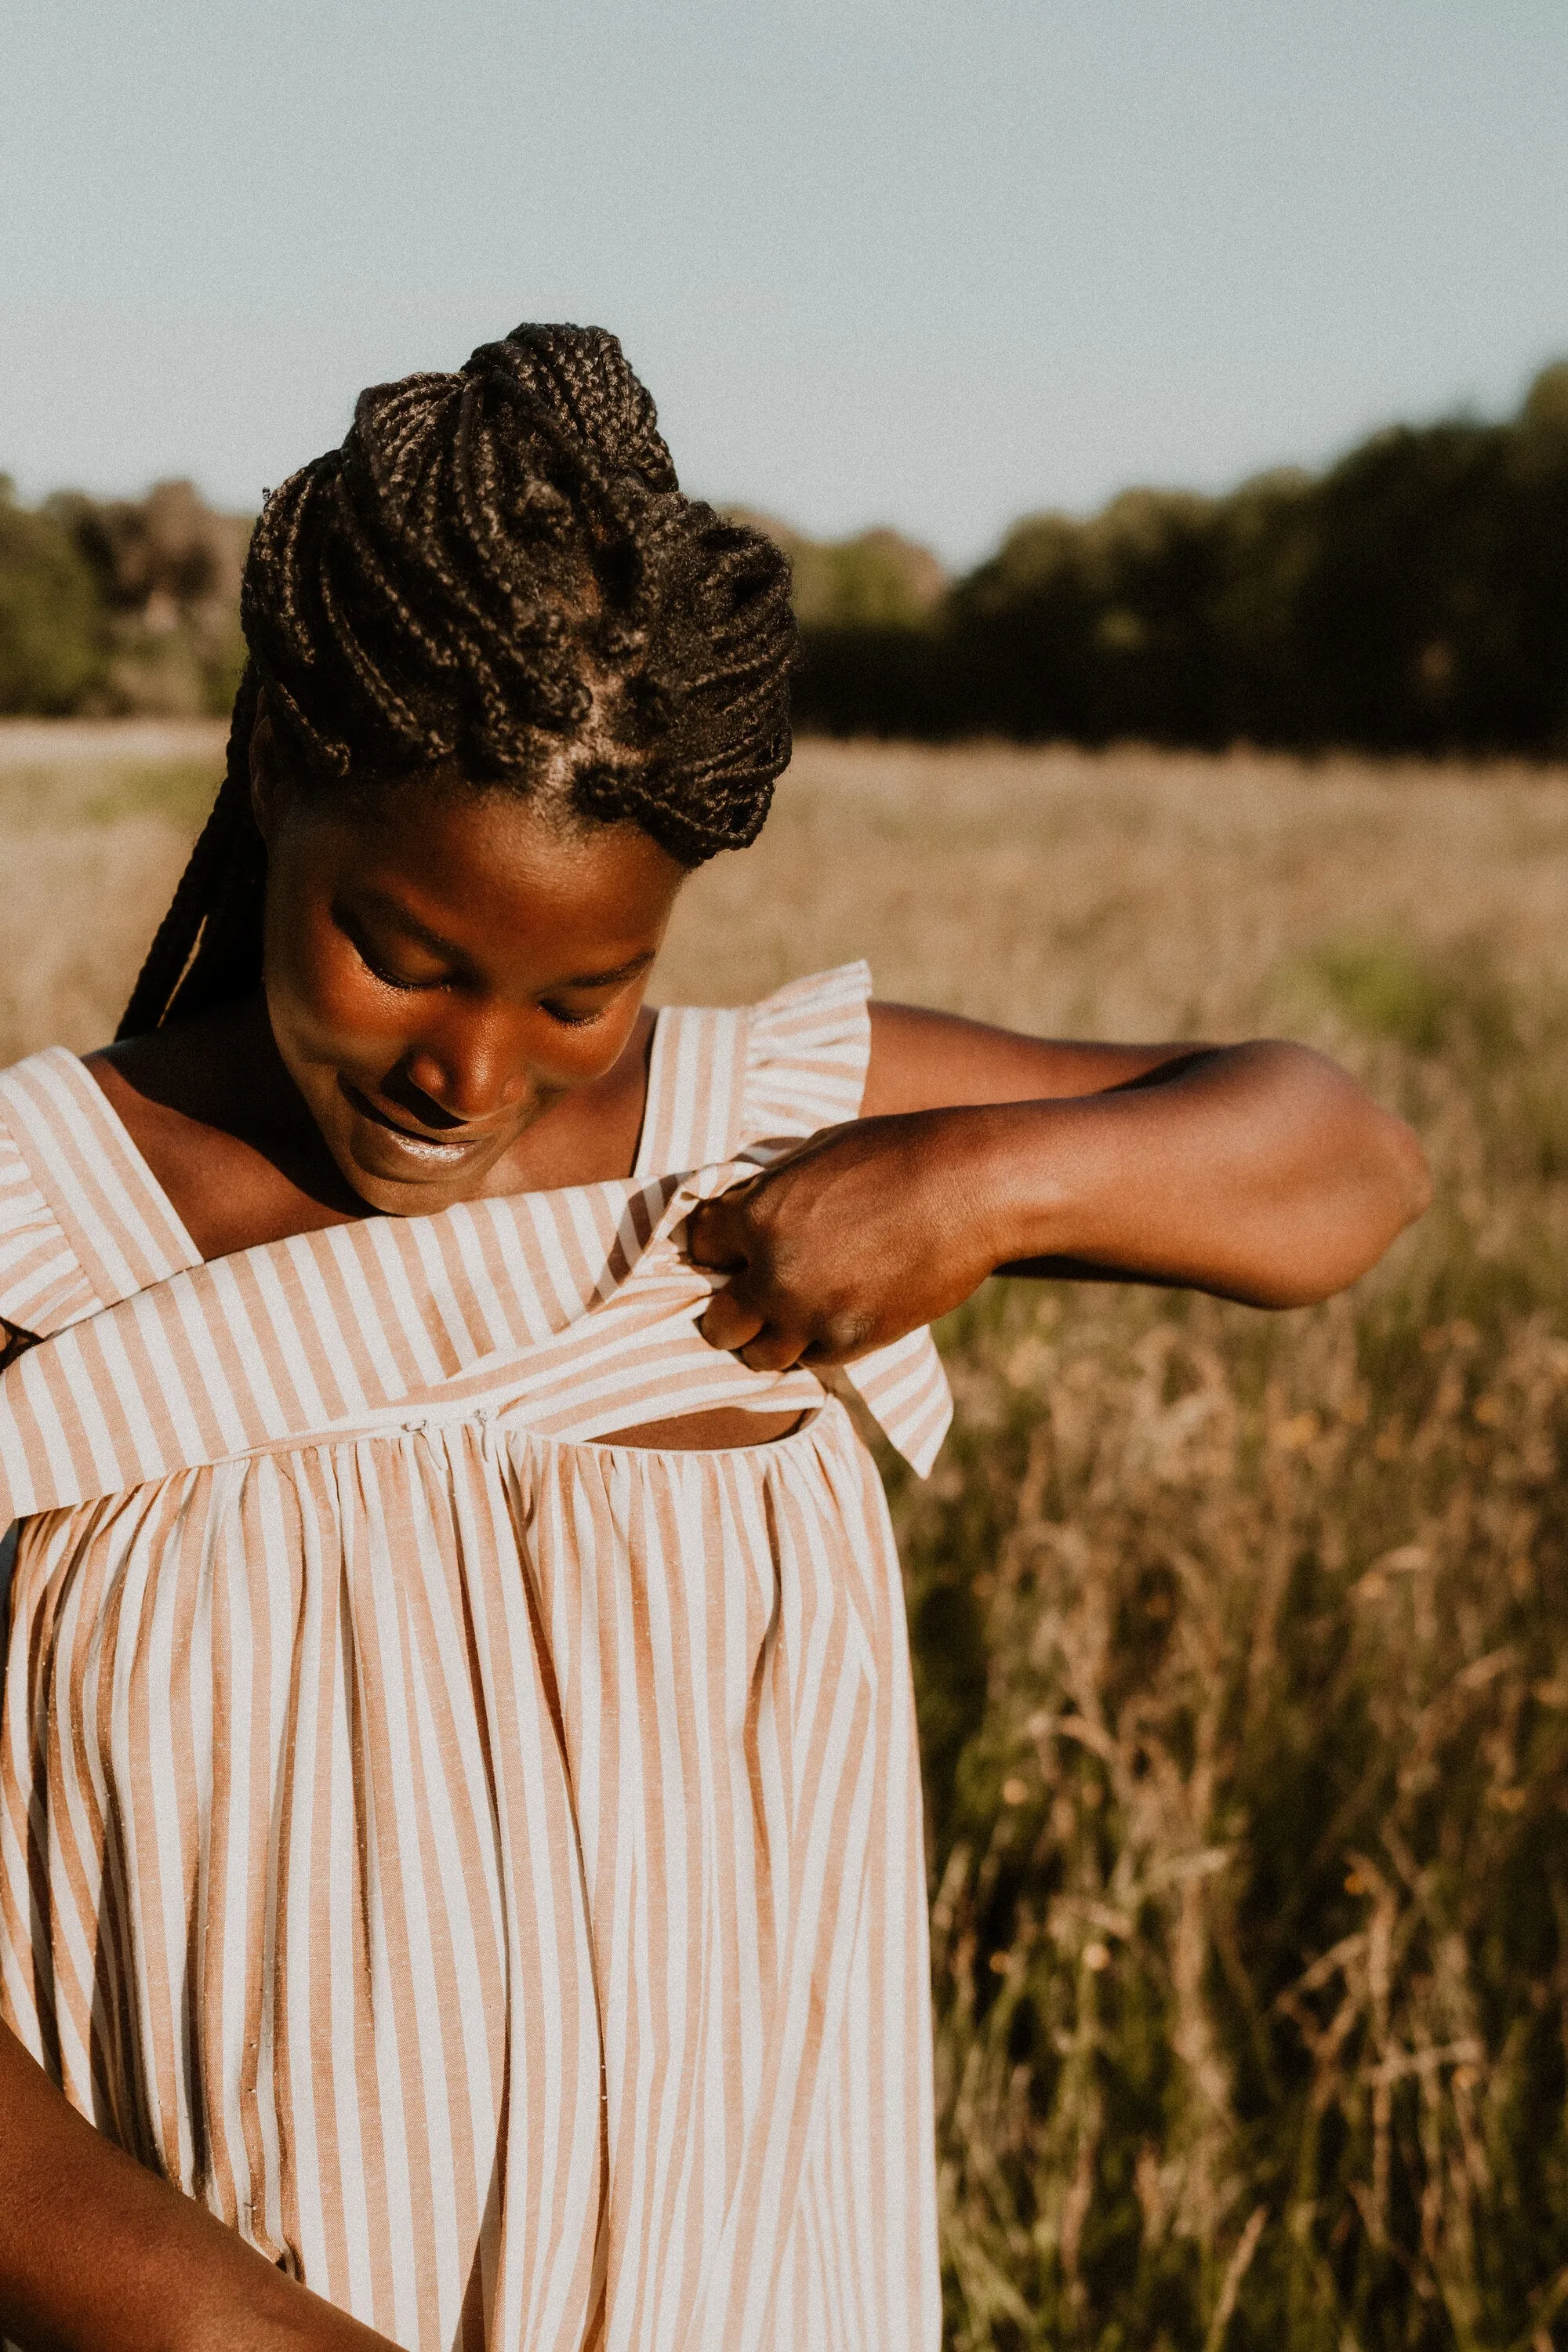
866 1232
1260 1173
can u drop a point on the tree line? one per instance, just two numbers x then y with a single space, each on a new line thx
1414 598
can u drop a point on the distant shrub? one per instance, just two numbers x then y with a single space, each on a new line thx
52 641
167 571
120 605
879 580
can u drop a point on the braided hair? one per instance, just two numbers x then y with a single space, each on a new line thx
496 573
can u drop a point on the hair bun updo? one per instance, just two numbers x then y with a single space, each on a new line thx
578 376
499 572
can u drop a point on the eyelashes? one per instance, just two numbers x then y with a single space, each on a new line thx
556 1013
562 1014
391 979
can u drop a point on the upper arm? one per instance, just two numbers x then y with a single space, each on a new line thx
928 1061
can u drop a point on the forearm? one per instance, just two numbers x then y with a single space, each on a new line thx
1258 1172
98 2255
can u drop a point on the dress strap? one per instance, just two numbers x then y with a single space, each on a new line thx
84 1222
808 1047
42 1285
695 1081
739 1085
720 1080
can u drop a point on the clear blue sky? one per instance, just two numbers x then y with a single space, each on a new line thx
881 260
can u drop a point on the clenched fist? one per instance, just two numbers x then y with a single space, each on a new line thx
866 1232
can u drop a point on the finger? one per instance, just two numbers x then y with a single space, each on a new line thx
728 1322
772 1350
715 1234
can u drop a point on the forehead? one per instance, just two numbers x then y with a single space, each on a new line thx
492 869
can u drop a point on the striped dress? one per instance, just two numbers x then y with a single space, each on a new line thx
482 1862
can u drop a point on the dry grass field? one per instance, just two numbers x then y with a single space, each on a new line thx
1242 1640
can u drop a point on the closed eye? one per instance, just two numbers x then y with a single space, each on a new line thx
393 979
376 969
567 1019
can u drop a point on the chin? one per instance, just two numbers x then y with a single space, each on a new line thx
389 1200
409 1183
411 1196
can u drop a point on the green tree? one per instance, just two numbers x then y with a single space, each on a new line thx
1546 402
51 623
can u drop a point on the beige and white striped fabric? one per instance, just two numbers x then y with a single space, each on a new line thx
481 1862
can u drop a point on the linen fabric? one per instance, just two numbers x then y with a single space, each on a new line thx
480 1861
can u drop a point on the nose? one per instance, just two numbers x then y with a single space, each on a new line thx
468 1067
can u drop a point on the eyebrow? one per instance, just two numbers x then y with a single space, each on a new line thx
442 946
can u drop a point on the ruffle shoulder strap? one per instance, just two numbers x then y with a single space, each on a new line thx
83 1221
722 1079
808 1047
42 1285
726 1084
807 1050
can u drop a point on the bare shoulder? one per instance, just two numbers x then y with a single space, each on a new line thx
201 1102
926 1060
185 1092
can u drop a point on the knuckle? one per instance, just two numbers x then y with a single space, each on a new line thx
849 1332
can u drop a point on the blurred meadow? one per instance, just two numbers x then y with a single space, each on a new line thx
1241 1641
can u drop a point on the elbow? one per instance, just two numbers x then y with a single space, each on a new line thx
1390 1178
1379 1178
1385 1185
1409 1179
1359 1179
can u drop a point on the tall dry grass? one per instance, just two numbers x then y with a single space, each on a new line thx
95 825
1242 1640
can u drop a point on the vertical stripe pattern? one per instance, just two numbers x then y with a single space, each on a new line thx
482 1863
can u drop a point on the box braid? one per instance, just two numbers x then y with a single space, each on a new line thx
496 573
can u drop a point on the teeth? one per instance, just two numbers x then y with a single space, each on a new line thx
433 1142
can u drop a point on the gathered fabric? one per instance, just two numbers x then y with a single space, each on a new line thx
480 1861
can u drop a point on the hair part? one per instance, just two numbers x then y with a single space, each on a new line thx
497 574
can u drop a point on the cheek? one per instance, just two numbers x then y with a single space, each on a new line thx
551 1056
576 1058
319 994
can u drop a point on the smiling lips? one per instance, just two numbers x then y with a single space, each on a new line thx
417 1139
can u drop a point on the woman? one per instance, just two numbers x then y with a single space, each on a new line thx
458 1811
